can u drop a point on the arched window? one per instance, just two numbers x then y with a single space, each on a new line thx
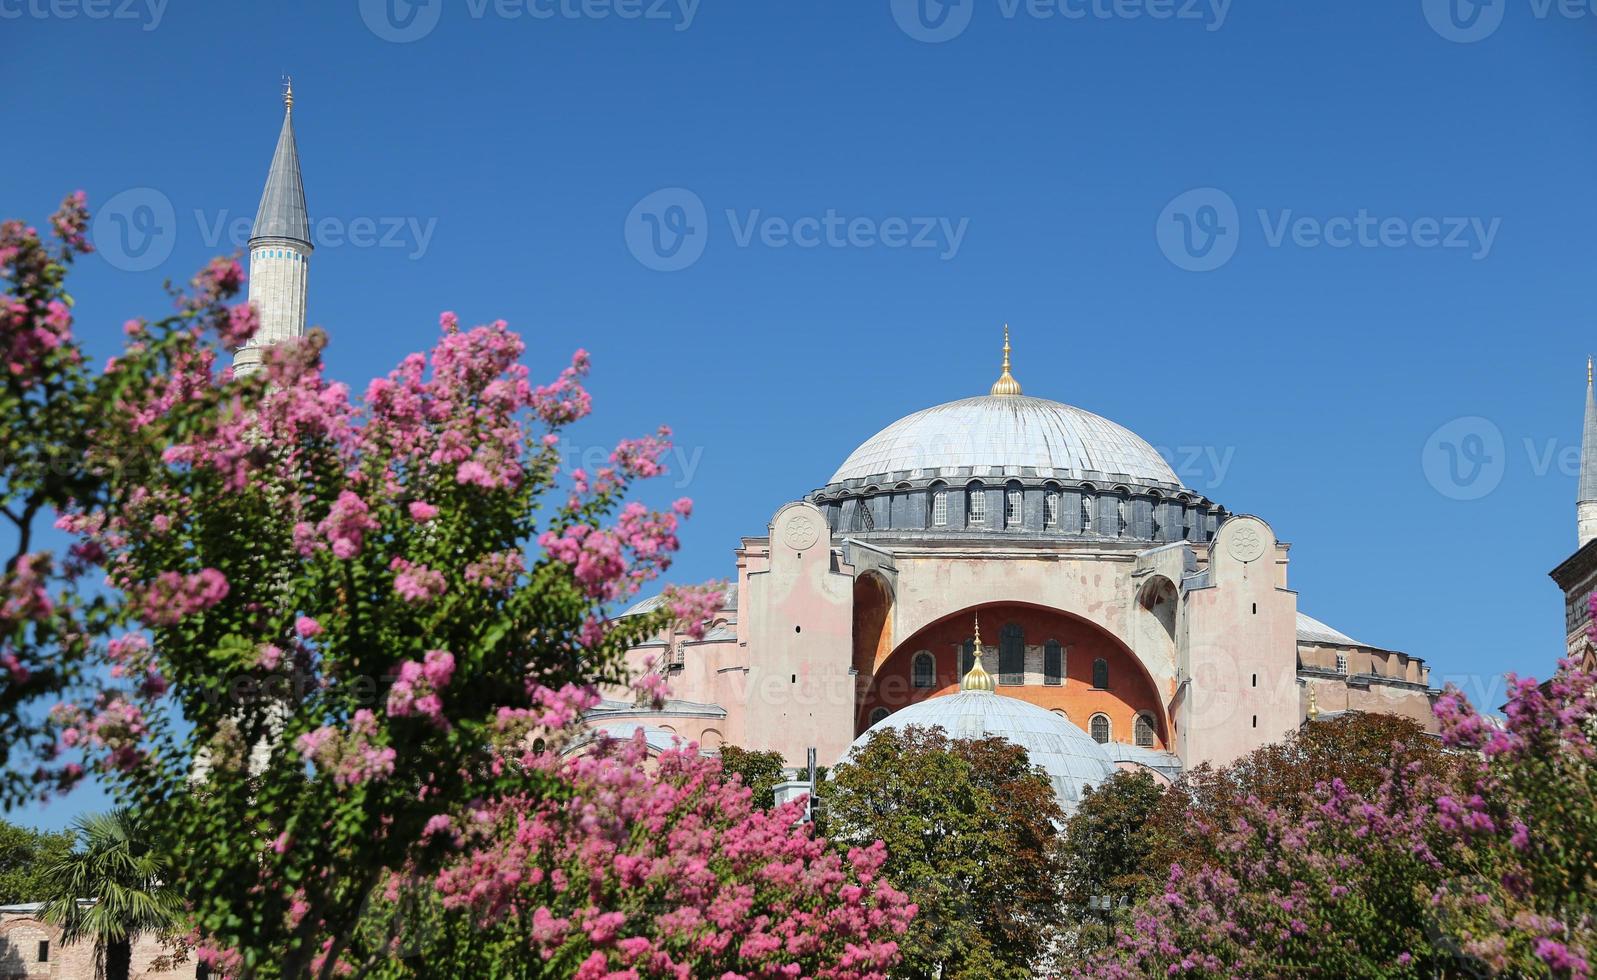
1143 730
925 669
1012 655
940 507
1014 506
1050 508
877 715
1341 662
1100 674
967 658
1100 729
1053 663
1087 516
976 508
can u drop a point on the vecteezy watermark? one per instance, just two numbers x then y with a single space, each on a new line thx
403 21
136 230
1200 230
1467 458
1199 467
1468 21
146 13
937 21
668 230
681 462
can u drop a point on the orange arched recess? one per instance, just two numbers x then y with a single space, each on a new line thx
1128 693
873 635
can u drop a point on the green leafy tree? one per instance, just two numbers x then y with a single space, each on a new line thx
971 832
24 855
1107 847
110 889
761 771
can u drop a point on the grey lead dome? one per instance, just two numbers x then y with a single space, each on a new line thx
1002 433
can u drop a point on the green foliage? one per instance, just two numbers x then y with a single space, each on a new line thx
25 854
761 771
970 828
1107 849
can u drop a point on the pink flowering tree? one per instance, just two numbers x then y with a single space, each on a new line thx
332 608
1483 868
648 868
56 413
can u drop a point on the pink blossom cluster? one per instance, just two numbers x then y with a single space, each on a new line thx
641 457
614 563
115 728
416 686
496 572
713 885
35 327
174 596
416 583
352 756
347 523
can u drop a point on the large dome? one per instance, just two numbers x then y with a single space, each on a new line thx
1072 760
1007 435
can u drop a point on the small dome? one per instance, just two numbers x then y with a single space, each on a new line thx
1072 760
1003 433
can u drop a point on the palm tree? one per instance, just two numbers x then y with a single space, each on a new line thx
110 889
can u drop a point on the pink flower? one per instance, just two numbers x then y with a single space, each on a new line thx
307 628
422 511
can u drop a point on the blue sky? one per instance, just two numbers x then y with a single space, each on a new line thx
1310 249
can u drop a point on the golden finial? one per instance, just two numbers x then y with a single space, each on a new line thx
1006 383
1588 369
977 679
288 93
1314 704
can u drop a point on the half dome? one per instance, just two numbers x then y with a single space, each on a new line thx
1072 760
1007 435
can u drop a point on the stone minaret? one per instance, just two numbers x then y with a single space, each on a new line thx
1586 499
280 250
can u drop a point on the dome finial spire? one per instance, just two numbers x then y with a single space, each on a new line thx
1006 383
977 679
288 93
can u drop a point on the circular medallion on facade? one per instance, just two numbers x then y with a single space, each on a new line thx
800 532
1247 542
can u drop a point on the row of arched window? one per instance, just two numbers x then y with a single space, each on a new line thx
1014 507
1143 732
1011 662
1108 511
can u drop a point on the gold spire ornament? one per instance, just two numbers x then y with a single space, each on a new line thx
288 92
1588 369
1314 705
978 679
1006 383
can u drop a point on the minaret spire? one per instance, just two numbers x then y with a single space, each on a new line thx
280 248
1006 383
1586 497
